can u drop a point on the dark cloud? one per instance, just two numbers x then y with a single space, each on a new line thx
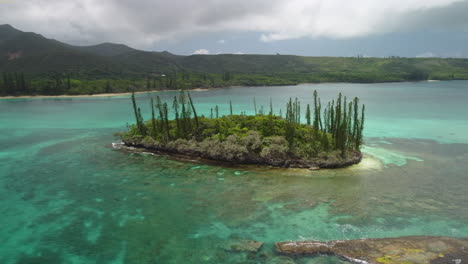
451 17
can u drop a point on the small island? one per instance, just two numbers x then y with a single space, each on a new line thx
330 138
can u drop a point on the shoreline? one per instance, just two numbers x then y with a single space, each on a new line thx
315 164
96 95
194 89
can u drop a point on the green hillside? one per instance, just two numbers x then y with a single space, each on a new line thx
8 32
105 49
33 64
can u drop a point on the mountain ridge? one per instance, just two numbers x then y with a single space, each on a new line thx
122 58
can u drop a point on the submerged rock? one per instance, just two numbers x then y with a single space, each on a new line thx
280 260
413 249
242 245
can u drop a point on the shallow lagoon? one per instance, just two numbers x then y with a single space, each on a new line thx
68 197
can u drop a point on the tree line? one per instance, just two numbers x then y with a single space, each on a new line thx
183 110
69 83
338 126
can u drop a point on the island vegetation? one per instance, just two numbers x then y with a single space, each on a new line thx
31 64
330 137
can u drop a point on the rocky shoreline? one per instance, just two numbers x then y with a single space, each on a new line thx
412 249
327 162
394 250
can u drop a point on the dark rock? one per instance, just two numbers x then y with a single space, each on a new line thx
303 247
242 245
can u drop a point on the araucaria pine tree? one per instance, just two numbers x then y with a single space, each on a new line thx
194 111
153 119
271 107
337 129
139 119
255 105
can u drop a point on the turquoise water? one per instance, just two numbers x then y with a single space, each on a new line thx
66 196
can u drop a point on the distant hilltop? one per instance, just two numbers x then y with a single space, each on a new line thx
32 64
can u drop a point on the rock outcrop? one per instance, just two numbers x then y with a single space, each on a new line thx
404 250
250 158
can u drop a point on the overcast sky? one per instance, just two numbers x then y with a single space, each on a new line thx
303 27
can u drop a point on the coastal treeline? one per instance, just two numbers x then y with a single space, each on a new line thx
75 82
70 83
331 132
18 83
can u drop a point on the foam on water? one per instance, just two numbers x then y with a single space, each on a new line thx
368 162
387 156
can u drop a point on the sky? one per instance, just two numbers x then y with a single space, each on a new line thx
377 28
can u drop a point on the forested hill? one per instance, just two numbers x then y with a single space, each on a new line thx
33 64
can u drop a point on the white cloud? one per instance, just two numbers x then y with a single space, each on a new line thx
444 54
221 41
238 52
144 23
426 55
201 52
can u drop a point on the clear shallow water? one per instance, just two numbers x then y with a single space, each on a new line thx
66 196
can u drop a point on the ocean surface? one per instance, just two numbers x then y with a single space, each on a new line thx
68 196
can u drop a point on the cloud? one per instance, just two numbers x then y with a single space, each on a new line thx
201 52
221 41
426 55
348 19
145 23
